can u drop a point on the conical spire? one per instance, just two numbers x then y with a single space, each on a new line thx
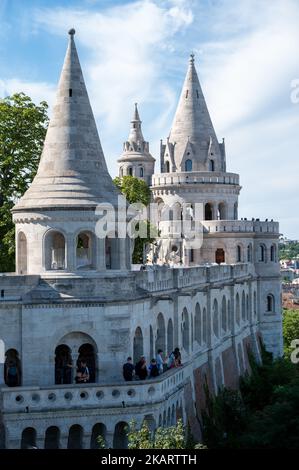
72 169
135 131
192 129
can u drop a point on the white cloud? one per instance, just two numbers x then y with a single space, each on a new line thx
38 91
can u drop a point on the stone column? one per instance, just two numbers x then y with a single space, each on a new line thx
109 439
86 441
40 441
2 380
122 253
70 252
63 441
100 254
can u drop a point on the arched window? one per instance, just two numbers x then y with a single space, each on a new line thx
197 324
191 255
120 438
137 345
63 365
247 307
87 354
239 254
220 256
161 333
141 172
273 253
223 315
98 429
52 437
221 213
169 336
270 303
84 251
188 165
28 440
185 330
12 368
167 166
75 437
208 211
238 309
22 253
249 253
215 319
130 171
211 165
243 306
121 172
204 325
55 251
262 254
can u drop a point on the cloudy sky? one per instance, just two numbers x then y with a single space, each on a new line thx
247 58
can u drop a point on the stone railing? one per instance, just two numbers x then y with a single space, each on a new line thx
194 177
61 397
245 226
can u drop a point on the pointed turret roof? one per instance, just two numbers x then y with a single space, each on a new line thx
72 169
192 125
135 131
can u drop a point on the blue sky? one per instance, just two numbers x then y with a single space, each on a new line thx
246 56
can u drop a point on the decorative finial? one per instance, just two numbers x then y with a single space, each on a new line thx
72 32
192 58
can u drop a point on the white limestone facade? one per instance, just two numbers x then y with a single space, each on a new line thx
75 295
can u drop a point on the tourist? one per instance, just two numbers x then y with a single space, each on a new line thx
12 375
153 369
160 361
178 357
141 369
82 375
128 370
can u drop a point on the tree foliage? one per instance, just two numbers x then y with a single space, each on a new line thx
22 132
290 329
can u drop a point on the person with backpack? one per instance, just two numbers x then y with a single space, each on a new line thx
82 375
128 370
141 369
153 369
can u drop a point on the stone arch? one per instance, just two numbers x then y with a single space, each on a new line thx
28 439
273 253
185 325
141 172
220 256
270 303
85 250
208 211
211 165
197 324
243 306
215 319
130 171
161 333
137 345
167 166
222 211
188 165
22 253
63 365
170 345
239 254
238 308
75 437
223 315
55 250
52 438
120 438
262 253
87 354
150 423
249 253
99 429
204 325
247 307
12 368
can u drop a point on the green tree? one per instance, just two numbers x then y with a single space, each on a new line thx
22 132
290 329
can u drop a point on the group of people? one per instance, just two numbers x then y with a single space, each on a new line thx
63 371
157 366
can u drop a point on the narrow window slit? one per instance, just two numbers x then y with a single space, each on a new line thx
70 92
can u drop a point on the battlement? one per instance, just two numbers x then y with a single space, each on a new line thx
244 226
194 177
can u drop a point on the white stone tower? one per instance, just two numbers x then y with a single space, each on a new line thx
56 218
136 159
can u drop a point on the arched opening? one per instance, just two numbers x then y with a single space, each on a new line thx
75 437
141 172
170 345
87 354
243 306
186 330
211 165
130 171
12 368
238 309
84 251
52 438
229 316
215 319
208 211
188 165
160 341
262 254
150 423
197 324
112 252
98 430
137 345
28 440
221 215
120 438
270 303
239 254
173 417
249 253
220 256
63 365
204 326
121 173
273 253
55 251
236 211
255 303
223 315
247 307
22 253
167 166
152 352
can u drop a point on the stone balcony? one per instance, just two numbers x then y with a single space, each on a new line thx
241 226
194 177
